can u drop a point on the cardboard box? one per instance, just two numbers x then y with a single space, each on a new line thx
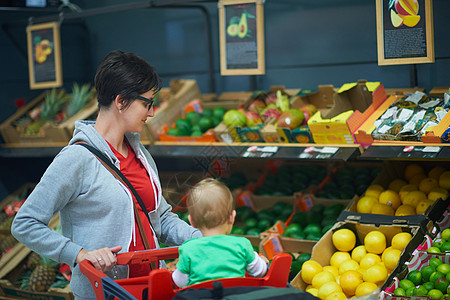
324 248
274 244
403 91
353 104
322 99
439 91
49 133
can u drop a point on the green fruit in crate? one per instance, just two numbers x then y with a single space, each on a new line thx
445 234
434 249
410 291
302 257
291 229
183 125
205 123
251 223
298 236
435 276
300 218
426 272
443 269
313 229
278 208
406 284
415 277
445 246
420 291
326 228
314 236
428 285
434 262
253 232
207 112
196 133
399 292
193 117
172 131
441 284
435 294
238 230
234 118
264 224
294 270
219 112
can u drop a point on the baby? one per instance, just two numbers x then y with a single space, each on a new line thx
217 254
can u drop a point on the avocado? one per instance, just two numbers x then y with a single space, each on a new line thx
243 26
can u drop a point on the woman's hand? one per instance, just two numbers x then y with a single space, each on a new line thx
102 259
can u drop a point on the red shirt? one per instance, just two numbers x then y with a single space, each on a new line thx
136 173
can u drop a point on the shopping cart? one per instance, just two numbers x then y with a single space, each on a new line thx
158 284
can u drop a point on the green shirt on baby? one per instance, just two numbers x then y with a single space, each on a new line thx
213 257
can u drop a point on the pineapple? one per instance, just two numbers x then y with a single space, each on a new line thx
43 275
33 260
52 104
6 243
80 96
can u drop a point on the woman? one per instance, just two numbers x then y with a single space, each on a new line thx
96 210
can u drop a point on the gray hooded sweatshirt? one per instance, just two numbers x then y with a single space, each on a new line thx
96 210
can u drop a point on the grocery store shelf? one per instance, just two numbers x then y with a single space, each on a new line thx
255 150
407 151
32 150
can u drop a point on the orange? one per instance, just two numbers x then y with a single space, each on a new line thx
369 260
344 239
328 288
376 274
423 205
436 172
405 210
332 269
391 257
437 193
382 209
358 253
397 184
365 288
406 189
349 281
400 240
444 180
320 278
309 269
411 170
427 184
390 198
348 265
375 242
416 179
374 190
413 198
365 204
338 257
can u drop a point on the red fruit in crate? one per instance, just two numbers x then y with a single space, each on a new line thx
309 108
291 119
271 113
253 118
271 98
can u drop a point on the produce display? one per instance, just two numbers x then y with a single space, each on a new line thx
354 270
57 107
408 117
196 123
412 194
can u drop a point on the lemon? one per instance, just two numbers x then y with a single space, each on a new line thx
444 180
313 292
336 296
405 210
400 240
436 172
374 190
427 184
414 197
369 260
309 269
348 265
320 278
423 205
365 288
406 189
332 269
328 288
349 281
390 198
344 239
397 184
437 193
382 209
391 257
376 274
338 257
411 170
375 242
365 204
358 253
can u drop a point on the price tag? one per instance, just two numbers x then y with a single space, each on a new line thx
420 151
318 153
266 151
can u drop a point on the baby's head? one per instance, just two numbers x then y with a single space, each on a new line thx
210 204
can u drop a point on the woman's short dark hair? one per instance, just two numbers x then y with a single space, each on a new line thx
124 74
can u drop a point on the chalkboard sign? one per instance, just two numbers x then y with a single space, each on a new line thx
241 26
44 55
405 32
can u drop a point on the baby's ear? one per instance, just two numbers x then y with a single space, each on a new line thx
190 221
232 217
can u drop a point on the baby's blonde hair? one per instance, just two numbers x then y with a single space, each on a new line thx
210 203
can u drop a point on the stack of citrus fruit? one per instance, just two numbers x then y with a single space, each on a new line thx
354 270
409 195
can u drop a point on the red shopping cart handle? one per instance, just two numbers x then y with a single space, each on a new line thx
145 256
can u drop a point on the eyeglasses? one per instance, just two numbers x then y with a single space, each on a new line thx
146 100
